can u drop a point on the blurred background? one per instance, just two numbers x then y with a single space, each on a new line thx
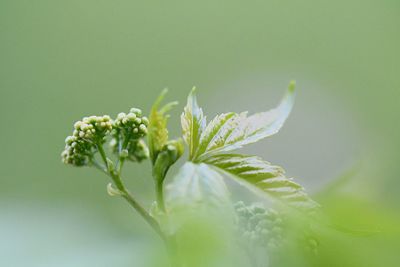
62 60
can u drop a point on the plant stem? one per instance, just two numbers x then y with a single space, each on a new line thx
116 177
132 201
128 196
160 195
102 154
121 160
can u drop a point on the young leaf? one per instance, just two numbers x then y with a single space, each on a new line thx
158 132
256 173
214 127
193 123
196 185
227 133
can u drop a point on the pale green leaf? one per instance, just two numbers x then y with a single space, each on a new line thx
232 132
210 133
193 123
158 132
258 174
196 185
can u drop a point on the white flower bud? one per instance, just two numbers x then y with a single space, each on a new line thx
131 116
112 191
69 139
137 111
124 153
77 125
145 121
143 128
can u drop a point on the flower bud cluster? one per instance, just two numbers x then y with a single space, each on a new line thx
259 226
93 128
87 132
265 227
132 125
129 129
76 152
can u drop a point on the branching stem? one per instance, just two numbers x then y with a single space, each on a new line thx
115 176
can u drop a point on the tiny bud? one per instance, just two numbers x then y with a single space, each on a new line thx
138 121
135 130
137 111
69 139
143 128
77 124
131 116
124 153
145 121
113 191
110 165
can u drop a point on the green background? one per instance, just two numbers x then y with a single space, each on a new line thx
62 60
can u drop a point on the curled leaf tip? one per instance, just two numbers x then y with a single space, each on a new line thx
160 98
292 86
164 92
168 107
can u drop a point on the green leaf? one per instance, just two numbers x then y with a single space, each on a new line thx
212 129
196 185
158 132
231 131
193 123
258 174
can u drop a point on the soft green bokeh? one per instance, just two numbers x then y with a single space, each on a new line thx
61 60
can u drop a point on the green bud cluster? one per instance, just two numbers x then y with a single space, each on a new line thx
259 226
87 132
93 128
127 132
129 129
132 125
77 151
265 227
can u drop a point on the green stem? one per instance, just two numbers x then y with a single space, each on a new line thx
121 160
98 166
132 201
160 194
115 176
128 196
102 154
